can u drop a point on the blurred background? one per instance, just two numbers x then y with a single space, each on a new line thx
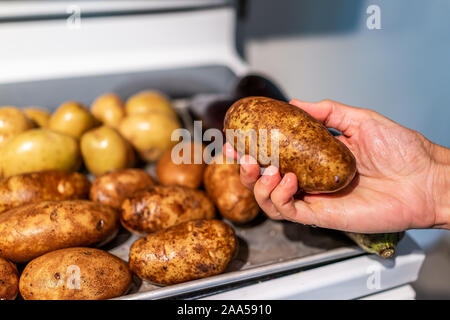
323 49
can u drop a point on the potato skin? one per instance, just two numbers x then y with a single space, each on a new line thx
9 280
223 184
53 276
184 174
321 163
114 187
188 251
160 207
34 229
45 185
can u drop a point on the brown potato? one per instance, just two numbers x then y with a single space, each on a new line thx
321 163
108 109
45 185
188 251
9 280
223 184
75 274
34 229
160 207
114 187
184 174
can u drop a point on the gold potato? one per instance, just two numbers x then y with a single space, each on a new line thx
150 134
75 274
223 184
38 116
149 101
34 229
114 187
39 150
104 149
188 251
12 122
160 207
9 280
188 174
45 185
72 118
321 163
108 109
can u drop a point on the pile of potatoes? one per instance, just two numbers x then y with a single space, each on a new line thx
53 219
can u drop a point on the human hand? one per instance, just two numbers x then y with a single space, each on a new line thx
398 187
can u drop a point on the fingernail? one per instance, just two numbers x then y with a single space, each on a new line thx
270 171
243 170
284 180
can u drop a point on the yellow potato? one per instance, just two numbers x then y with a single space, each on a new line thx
34 229
39 150
12 122
108 109
223 184
321 163
149 101
38 116
114 187
160 207
25 188
75 274
104 149
71 118
9 280
188 251
150 134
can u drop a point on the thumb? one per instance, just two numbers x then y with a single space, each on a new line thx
334 114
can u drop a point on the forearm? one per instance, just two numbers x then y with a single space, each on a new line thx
441 186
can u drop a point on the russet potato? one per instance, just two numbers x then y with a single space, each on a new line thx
223 184
321 163
114 187
188 251
9 280
75 274
160 207
25 188
36 228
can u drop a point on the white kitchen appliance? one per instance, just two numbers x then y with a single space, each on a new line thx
52 51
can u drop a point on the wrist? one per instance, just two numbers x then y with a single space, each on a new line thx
441 186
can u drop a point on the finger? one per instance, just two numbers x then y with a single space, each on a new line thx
229 151
249 171
283 196
335 115
264 187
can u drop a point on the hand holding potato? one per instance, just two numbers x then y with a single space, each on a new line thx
403 180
